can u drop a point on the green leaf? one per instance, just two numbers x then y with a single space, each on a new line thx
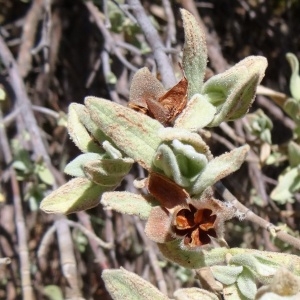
133 132
169 134
288 183
292 108
107 172
188 259
122 284
233 91
111 78
295 78
2 93
192 259
181 156
111 151
194 294
226 274
220 167
194 59
88 123
77 131
53 292
231 292
263 268
197 114
75 167
127 203
294 154
76 195
260 124
44 173
93 170
20 165
246 284
180 162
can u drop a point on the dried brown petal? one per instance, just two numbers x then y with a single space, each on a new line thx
173 102
147 96
167 192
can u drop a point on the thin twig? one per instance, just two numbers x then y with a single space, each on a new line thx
68 262
45 246
26 284
153 257
171 26
94 72
107 73
28 36
8 119
46 111
163 63
90 235
247 214
44 43
124 9
100 257
275 111
110 236
24 103
67 257
109 43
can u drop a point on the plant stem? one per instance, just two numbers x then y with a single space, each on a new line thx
163 63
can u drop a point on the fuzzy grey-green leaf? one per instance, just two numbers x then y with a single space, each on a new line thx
125 285
194 294
262 267
133 132
194 59
219 168
107 172
295 78
197 114
76 195
294 154
232 92
288 183
246 284
188 259
226 274
78 132
127 203
75 167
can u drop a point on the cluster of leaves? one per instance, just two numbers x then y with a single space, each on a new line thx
289 180
36 175
159 131
261 125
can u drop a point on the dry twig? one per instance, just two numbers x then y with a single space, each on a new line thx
163 64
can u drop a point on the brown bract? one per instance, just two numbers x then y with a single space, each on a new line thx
194 221
148 96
